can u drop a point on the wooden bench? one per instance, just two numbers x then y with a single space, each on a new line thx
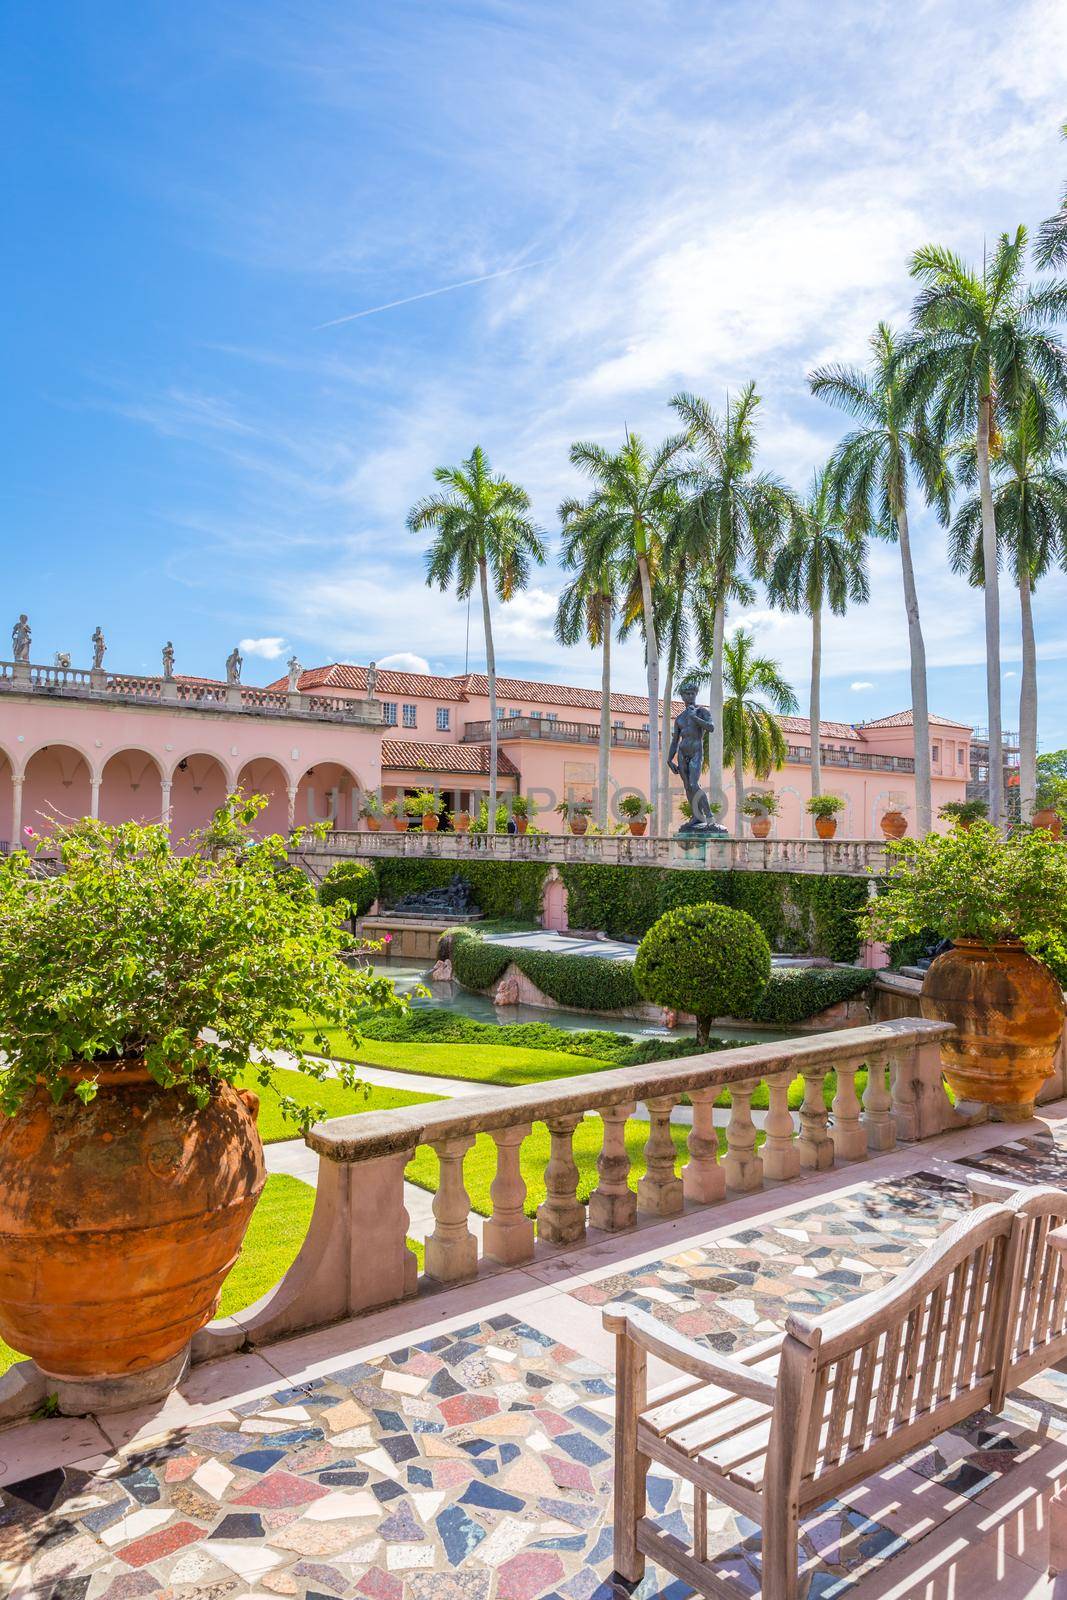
811 1413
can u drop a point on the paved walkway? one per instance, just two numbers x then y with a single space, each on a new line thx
458 1447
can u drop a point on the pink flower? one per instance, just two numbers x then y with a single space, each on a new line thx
29 832
387 938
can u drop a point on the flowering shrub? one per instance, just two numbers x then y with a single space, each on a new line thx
195 963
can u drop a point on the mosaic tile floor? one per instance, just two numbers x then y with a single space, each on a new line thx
476 1465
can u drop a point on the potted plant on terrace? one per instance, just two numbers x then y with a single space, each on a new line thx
141 989
427 805
893 823
636 812
576 814
824 808
396 811
988 894
371 810
761 805
523 810
961 813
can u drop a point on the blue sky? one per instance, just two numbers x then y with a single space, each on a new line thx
659 195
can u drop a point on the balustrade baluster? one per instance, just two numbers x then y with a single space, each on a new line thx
877 1116
613 1204
561 1216
703 1179
848 1134
743 1167
451 1250
508 1235
781 1157
814 1143
659 1193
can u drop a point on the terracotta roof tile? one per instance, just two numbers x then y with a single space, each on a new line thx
400 755
344 675
903 719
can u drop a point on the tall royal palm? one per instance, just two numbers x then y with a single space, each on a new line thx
1030 500
484 535
821 566
634 489
870 470
586 608
980 340
736 516
754 691
1051 247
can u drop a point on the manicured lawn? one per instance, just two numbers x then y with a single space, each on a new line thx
510 1065
330 1094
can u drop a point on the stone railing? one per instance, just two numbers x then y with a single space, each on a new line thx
188 693
852 857
355 1257
863 760
555 730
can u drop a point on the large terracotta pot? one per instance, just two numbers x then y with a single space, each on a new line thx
461 822
1049 819
521 824
373 824
400 824
119 1221
894 824
579 824
430 821
826 827
639 827
761 827
1008 1011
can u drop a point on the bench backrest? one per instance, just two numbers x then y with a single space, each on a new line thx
883 1374
1035 1332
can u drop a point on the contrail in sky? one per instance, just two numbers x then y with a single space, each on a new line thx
428 294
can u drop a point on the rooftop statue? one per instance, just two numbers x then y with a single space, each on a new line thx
20 639
686 758
234 663
168 660
99 646
372 679
295 669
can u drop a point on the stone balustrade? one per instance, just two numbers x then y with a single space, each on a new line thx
851 857
356 1258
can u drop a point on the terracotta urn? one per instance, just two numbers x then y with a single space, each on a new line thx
373 824
521 824
119 1221
461 822
1008 1012
761 827
826 827
430 821
638 827
894 825
1047 818
579 825
400 824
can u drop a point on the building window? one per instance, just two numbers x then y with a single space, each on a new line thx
442 719
553 716
959 756
514 713
410 713
389 712
536 716
936 752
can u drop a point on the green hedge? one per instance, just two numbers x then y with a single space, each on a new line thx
792 997
500 888
353 882
709 960
449 1027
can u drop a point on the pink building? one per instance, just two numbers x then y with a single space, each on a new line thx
90 742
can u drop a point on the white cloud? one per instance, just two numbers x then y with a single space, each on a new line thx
861 685
405 661
270 648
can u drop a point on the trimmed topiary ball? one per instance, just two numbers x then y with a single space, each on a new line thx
353 882
708 959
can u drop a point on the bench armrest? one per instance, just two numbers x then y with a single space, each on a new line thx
1057 1239
687 1355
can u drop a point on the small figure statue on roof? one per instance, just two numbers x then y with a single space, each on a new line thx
62 660
20 639
295 669
168 660
234 663
99 646
372 679
686 758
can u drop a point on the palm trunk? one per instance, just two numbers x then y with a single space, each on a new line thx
605 713
1027 702
814 706
992 616
739 793
665 737
920 710
715 696
652 673
490 673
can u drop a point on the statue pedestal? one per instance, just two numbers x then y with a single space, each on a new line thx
233 694
20 672
97 679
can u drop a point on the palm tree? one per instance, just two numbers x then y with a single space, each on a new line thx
980 341
823 562
586 608
1051 247
870 470
1030 501
752 736
735 517
635 489
484 534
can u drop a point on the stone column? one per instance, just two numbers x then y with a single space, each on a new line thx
94 795
508 1235
164 800
847 1132
613 1204
815 1144
16 810
744 1168
452 1250
292 809
561 1215
877 1116
659 1193
781 1158
703 1179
